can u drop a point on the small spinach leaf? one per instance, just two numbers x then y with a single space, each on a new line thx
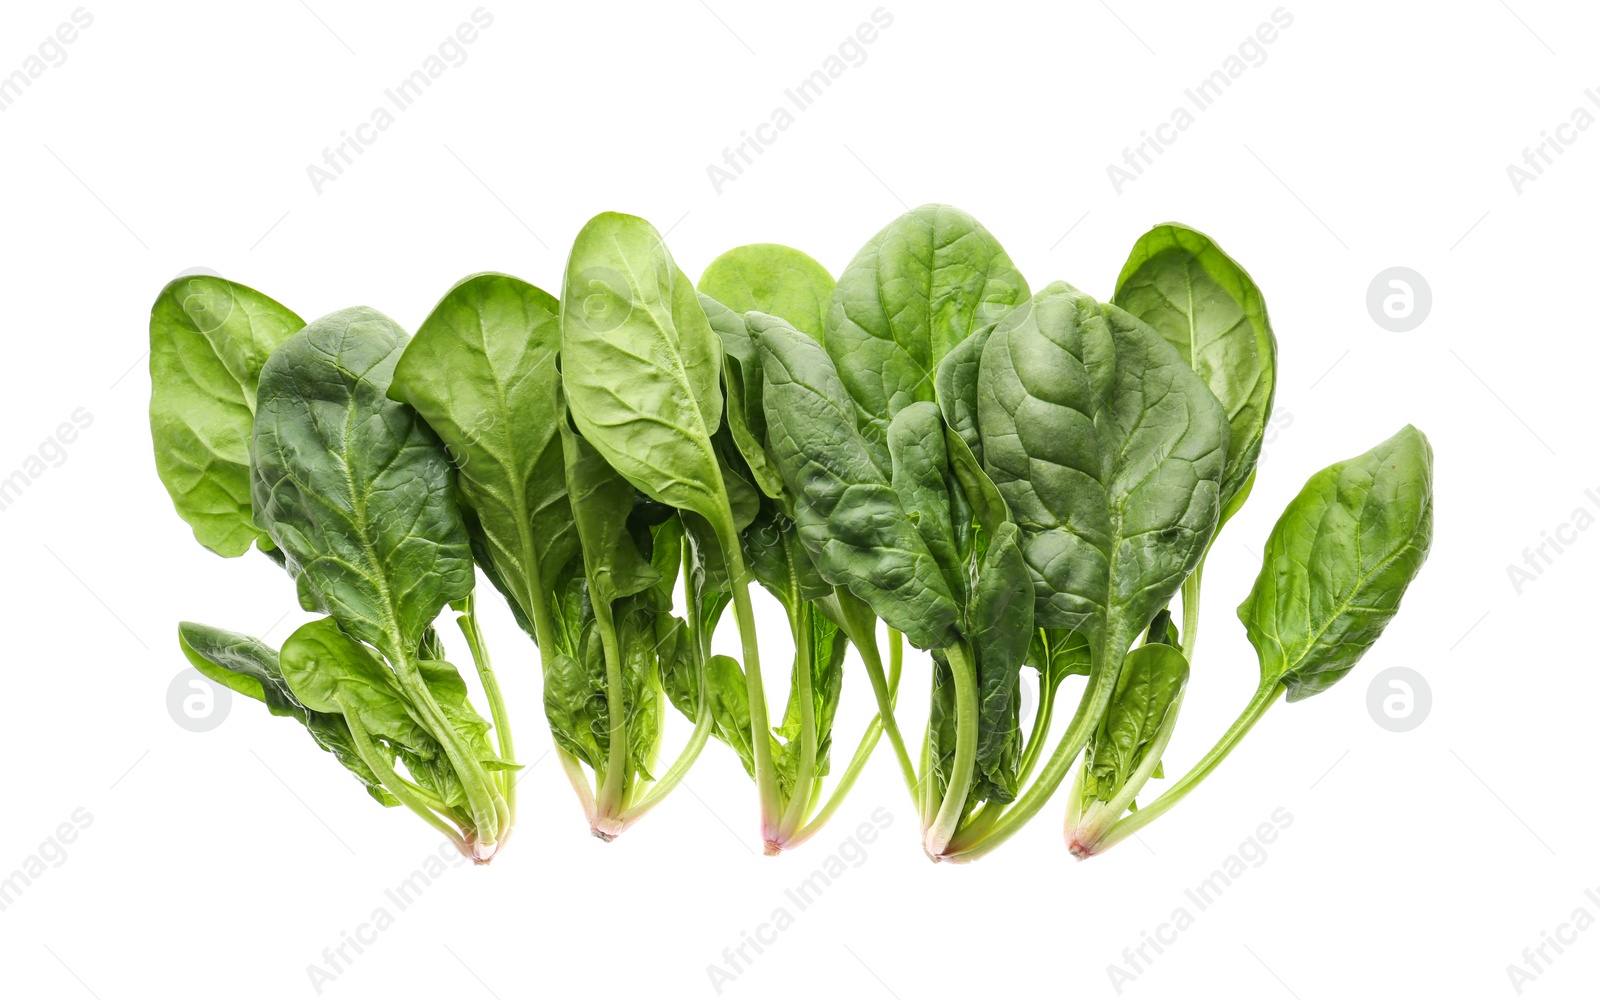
772 279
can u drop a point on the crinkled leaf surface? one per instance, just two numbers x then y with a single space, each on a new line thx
1109 452
354 487
921 286
850 519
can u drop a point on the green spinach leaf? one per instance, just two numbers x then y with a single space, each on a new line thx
209 339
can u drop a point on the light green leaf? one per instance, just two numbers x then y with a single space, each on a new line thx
772 279
482 372
642 366
1181 283
209 338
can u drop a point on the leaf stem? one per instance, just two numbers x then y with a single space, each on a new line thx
1086 829
1264 698
965 676
794 815
1041 725
1091 708
760 727
861 629
468 622
869 742
611 786
398 786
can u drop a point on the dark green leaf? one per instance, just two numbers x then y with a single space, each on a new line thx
354 487
1337 563
922 285
1109 452
850 519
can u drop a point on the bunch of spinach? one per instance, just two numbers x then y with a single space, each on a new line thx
285 438
1003 478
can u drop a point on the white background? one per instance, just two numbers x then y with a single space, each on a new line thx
1373 135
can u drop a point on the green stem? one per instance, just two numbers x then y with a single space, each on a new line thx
1041 725
398 786
1091 708
1086 829
760 728
794 815
861 629
1191 610
614 783
487 806
965 677
580 784
869 742
691 750
468 622
1129 825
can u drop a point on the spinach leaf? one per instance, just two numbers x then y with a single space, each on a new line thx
250 667
1337 563
642 370
850 519
1204 304
1126 749
482 372
921 286
354 487
641 365
1109 451
1335 568
359 494
772 279
209 339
